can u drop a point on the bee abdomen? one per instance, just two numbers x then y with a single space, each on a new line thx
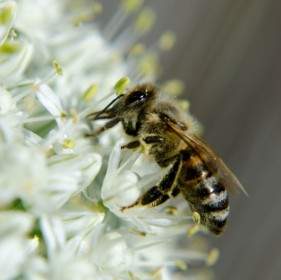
210 199
215 207
216 221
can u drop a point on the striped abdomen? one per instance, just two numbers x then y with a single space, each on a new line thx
205 193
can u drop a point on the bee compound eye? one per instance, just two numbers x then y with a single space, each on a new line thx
136 97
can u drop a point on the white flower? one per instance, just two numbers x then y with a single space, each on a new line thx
15 248
61 193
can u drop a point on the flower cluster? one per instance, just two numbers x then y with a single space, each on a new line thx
61 193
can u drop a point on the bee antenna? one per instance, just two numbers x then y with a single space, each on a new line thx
107 107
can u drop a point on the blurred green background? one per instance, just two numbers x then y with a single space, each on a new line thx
228 53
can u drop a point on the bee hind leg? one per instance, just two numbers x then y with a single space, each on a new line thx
152 198
162 192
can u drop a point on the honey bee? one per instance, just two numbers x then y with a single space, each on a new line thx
194 170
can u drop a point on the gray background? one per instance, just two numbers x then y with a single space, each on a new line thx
229 55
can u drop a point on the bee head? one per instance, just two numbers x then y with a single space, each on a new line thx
138 98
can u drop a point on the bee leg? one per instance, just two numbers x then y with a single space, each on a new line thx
131 145
152 197
152 139
107 125
175 191
162 192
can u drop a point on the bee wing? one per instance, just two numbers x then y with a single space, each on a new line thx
209 157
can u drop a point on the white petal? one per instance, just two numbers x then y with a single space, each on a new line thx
6 102
92 165
53 232
15 222
13 255
15 64
49 100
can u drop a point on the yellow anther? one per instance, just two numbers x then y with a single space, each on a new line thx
97 8
69 143
79 19
171 210
90 92
184 105
7 12
9 48
173 87
149 65
121 85
130 6
167 41
145 20
213 256
196 218
88 15
193 230
181 265
74 115
63 115
137 49
35 240
57 67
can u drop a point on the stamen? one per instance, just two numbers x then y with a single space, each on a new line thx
145 21
212 257
173 87
10 47
150 244
121 85
130 6
90 93
57 67
88 15
68 143
196 218
167 41
7 12
127 7
184 105
7 16
136 50
180 264
148 65
193 230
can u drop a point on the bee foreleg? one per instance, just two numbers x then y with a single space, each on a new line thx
131 145
106 126
162 192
